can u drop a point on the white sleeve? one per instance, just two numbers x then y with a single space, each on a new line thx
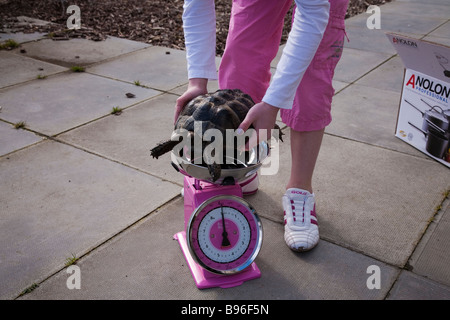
199 24
310 21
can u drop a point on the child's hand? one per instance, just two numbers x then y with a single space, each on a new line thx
196 87
263 116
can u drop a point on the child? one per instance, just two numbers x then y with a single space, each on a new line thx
301 89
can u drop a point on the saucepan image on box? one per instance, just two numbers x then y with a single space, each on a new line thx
424 114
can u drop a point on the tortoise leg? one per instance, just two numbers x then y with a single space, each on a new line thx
163 148
280 135
214 170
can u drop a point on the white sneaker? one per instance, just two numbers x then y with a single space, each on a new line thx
250 185
301 231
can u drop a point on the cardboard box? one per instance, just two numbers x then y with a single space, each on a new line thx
424 112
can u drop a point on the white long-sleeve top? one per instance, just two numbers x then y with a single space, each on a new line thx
310 21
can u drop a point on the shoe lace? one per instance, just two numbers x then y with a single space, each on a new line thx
298 211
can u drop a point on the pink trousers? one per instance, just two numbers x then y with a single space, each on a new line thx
253 42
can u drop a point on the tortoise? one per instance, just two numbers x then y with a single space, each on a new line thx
222 110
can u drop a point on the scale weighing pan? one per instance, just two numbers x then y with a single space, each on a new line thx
239 171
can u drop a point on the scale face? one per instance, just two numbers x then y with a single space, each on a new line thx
224 234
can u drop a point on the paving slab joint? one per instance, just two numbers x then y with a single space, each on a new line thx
435 29
55 139
379 146
428 230
366 73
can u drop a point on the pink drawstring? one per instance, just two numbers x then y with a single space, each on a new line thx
348 40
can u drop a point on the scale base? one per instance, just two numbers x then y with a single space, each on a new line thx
205 279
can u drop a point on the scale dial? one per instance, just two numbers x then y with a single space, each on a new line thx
224 234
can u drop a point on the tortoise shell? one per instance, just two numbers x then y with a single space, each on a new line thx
224 109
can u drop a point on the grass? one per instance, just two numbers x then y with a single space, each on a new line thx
20 125
72 260
9 45
40 76
29 289
445 194
116 110
139 84
77 69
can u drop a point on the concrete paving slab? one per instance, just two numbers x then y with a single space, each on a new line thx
156 67
443 31
433 259
417 10
398 22
369 115
388 76
373 40
119 270
21 37
17 68
80 52
355 63
58 201
380 201
128 138
441 40
67 100
441 2
410 286
12 139
375 201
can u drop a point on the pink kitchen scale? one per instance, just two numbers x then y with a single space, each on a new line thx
222 232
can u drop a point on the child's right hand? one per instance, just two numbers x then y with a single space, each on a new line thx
196 87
